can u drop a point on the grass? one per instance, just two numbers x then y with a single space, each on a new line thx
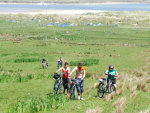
24 85
22 60
33 105
86 62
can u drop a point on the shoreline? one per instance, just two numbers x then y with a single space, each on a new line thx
57 12
71 3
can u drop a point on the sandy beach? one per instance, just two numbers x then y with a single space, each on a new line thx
60 12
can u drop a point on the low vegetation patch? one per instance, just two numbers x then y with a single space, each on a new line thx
86 62
34 105
22 60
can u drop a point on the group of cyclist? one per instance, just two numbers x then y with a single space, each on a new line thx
80 75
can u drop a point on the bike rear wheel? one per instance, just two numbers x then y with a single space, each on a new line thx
100 91
72 93
112 89
55 88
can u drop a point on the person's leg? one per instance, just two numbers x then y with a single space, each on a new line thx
42 65
82 89
64 85
115 83
68 85
78 87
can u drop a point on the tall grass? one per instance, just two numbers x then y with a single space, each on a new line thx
6 77
33 105
86 62
22 60
119 105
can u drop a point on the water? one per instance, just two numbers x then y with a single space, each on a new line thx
100 7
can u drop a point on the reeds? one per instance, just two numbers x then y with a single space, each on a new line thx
119 105
33 104
97 110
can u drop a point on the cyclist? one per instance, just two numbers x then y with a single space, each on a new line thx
112 74
66 80
80 75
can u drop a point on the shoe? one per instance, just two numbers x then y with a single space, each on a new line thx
82 98
79 97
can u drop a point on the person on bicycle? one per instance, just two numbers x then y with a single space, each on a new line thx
112 74
66 80
80 75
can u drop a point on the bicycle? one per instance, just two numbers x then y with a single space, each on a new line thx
72 89
101 88
110 86
58 83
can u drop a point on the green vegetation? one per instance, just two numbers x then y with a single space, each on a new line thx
33 105
86 62
26 87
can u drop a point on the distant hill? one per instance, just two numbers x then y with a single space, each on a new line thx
71 1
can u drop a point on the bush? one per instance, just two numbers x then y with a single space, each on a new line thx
86 62
27 60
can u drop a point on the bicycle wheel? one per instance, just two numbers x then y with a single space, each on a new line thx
55 88
100 91
72 92
60 88
113 89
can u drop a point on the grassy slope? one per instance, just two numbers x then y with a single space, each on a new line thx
125 46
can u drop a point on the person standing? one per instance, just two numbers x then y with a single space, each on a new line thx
60 63
66 80
80 75
44 63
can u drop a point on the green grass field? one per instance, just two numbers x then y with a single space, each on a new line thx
24 85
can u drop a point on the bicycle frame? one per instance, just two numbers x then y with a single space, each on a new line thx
109 85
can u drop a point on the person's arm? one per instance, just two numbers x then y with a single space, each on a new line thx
73 71
84 72
116 75
59 69
106 72
69 70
